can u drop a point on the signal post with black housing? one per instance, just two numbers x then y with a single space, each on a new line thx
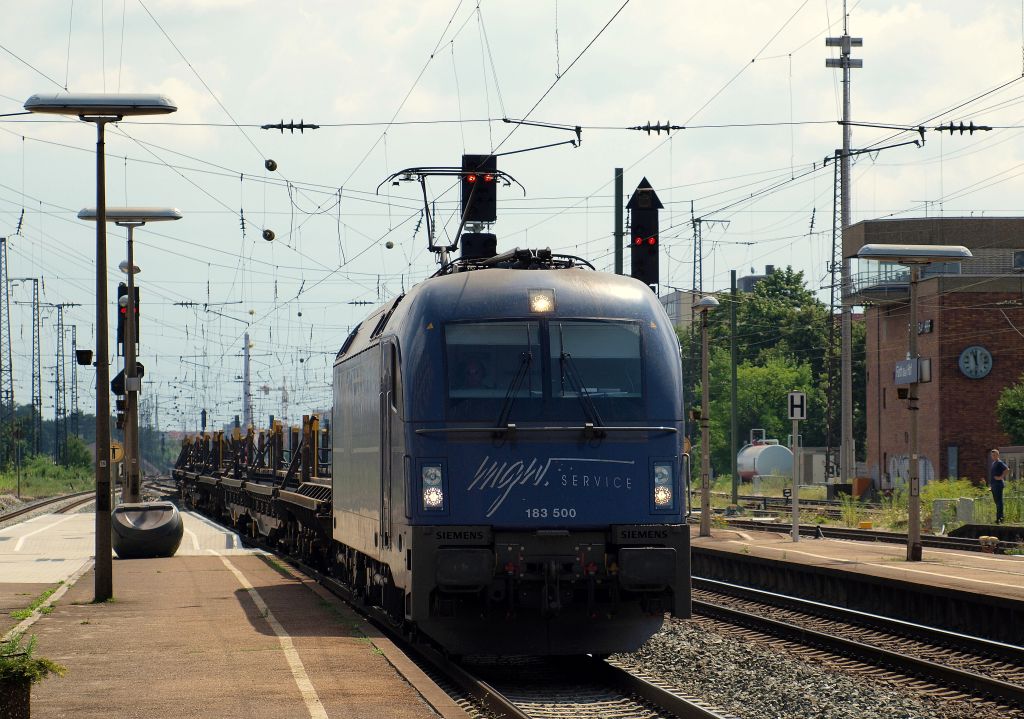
643 245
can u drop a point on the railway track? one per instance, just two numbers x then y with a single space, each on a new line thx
831 508
938 662
74 500
533 688
579 687
934 541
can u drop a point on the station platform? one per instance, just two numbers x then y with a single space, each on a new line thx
218 630
960 591
991 574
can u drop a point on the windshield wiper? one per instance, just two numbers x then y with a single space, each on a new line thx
513 388
589 409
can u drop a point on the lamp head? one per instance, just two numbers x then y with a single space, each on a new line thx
132 215
706 303
100 104
914 254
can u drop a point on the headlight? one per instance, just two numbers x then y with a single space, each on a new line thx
663 485
433 492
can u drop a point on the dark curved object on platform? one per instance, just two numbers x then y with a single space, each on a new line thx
146 529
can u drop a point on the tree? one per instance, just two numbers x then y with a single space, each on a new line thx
761 398
1010 411
78 453
782 333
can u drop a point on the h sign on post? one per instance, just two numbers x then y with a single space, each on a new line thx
797 406
797 412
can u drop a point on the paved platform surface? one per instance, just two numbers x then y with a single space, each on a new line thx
217 631
993 574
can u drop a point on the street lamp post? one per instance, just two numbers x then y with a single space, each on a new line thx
101 108
705 305
130 218
913 256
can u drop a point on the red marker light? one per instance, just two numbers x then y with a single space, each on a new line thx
471 178
488 178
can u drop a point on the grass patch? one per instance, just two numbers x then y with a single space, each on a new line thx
40 477
25 613
851 510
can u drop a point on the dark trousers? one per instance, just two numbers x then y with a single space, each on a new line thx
997 496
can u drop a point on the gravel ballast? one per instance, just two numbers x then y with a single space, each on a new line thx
756 681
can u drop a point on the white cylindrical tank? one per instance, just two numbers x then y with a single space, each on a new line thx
764 458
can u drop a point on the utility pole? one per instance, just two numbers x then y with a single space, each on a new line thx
7 408
733 419
844 61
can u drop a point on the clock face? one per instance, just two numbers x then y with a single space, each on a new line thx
975 362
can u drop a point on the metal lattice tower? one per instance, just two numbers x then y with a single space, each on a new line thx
7 408
60 421
74 381
698 254
835 268
845 43
37 375
60 397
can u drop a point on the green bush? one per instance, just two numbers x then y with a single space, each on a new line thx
18 662
78 453
951 489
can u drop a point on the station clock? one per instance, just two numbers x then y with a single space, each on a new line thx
975 362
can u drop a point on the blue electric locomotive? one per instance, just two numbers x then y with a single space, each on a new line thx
507 469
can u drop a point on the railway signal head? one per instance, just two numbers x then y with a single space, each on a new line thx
479 188
643 248
644 241
122 312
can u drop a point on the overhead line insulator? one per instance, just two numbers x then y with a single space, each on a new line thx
658 128
970 128
291 126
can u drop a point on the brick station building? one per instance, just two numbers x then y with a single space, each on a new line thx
971 328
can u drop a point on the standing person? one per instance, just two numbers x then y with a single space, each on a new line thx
996 482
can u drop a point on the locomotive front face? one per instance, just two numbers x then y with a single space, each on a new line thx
545 460
547 425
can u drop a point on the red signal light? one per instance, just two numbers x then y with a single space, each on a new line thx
471 178
652 240
488 178
638 241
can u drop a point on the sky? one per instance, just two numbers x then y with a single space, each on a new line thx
412 84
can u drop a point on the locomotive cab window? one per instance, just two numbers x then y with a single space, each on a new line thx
497 369
598 363
489 360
